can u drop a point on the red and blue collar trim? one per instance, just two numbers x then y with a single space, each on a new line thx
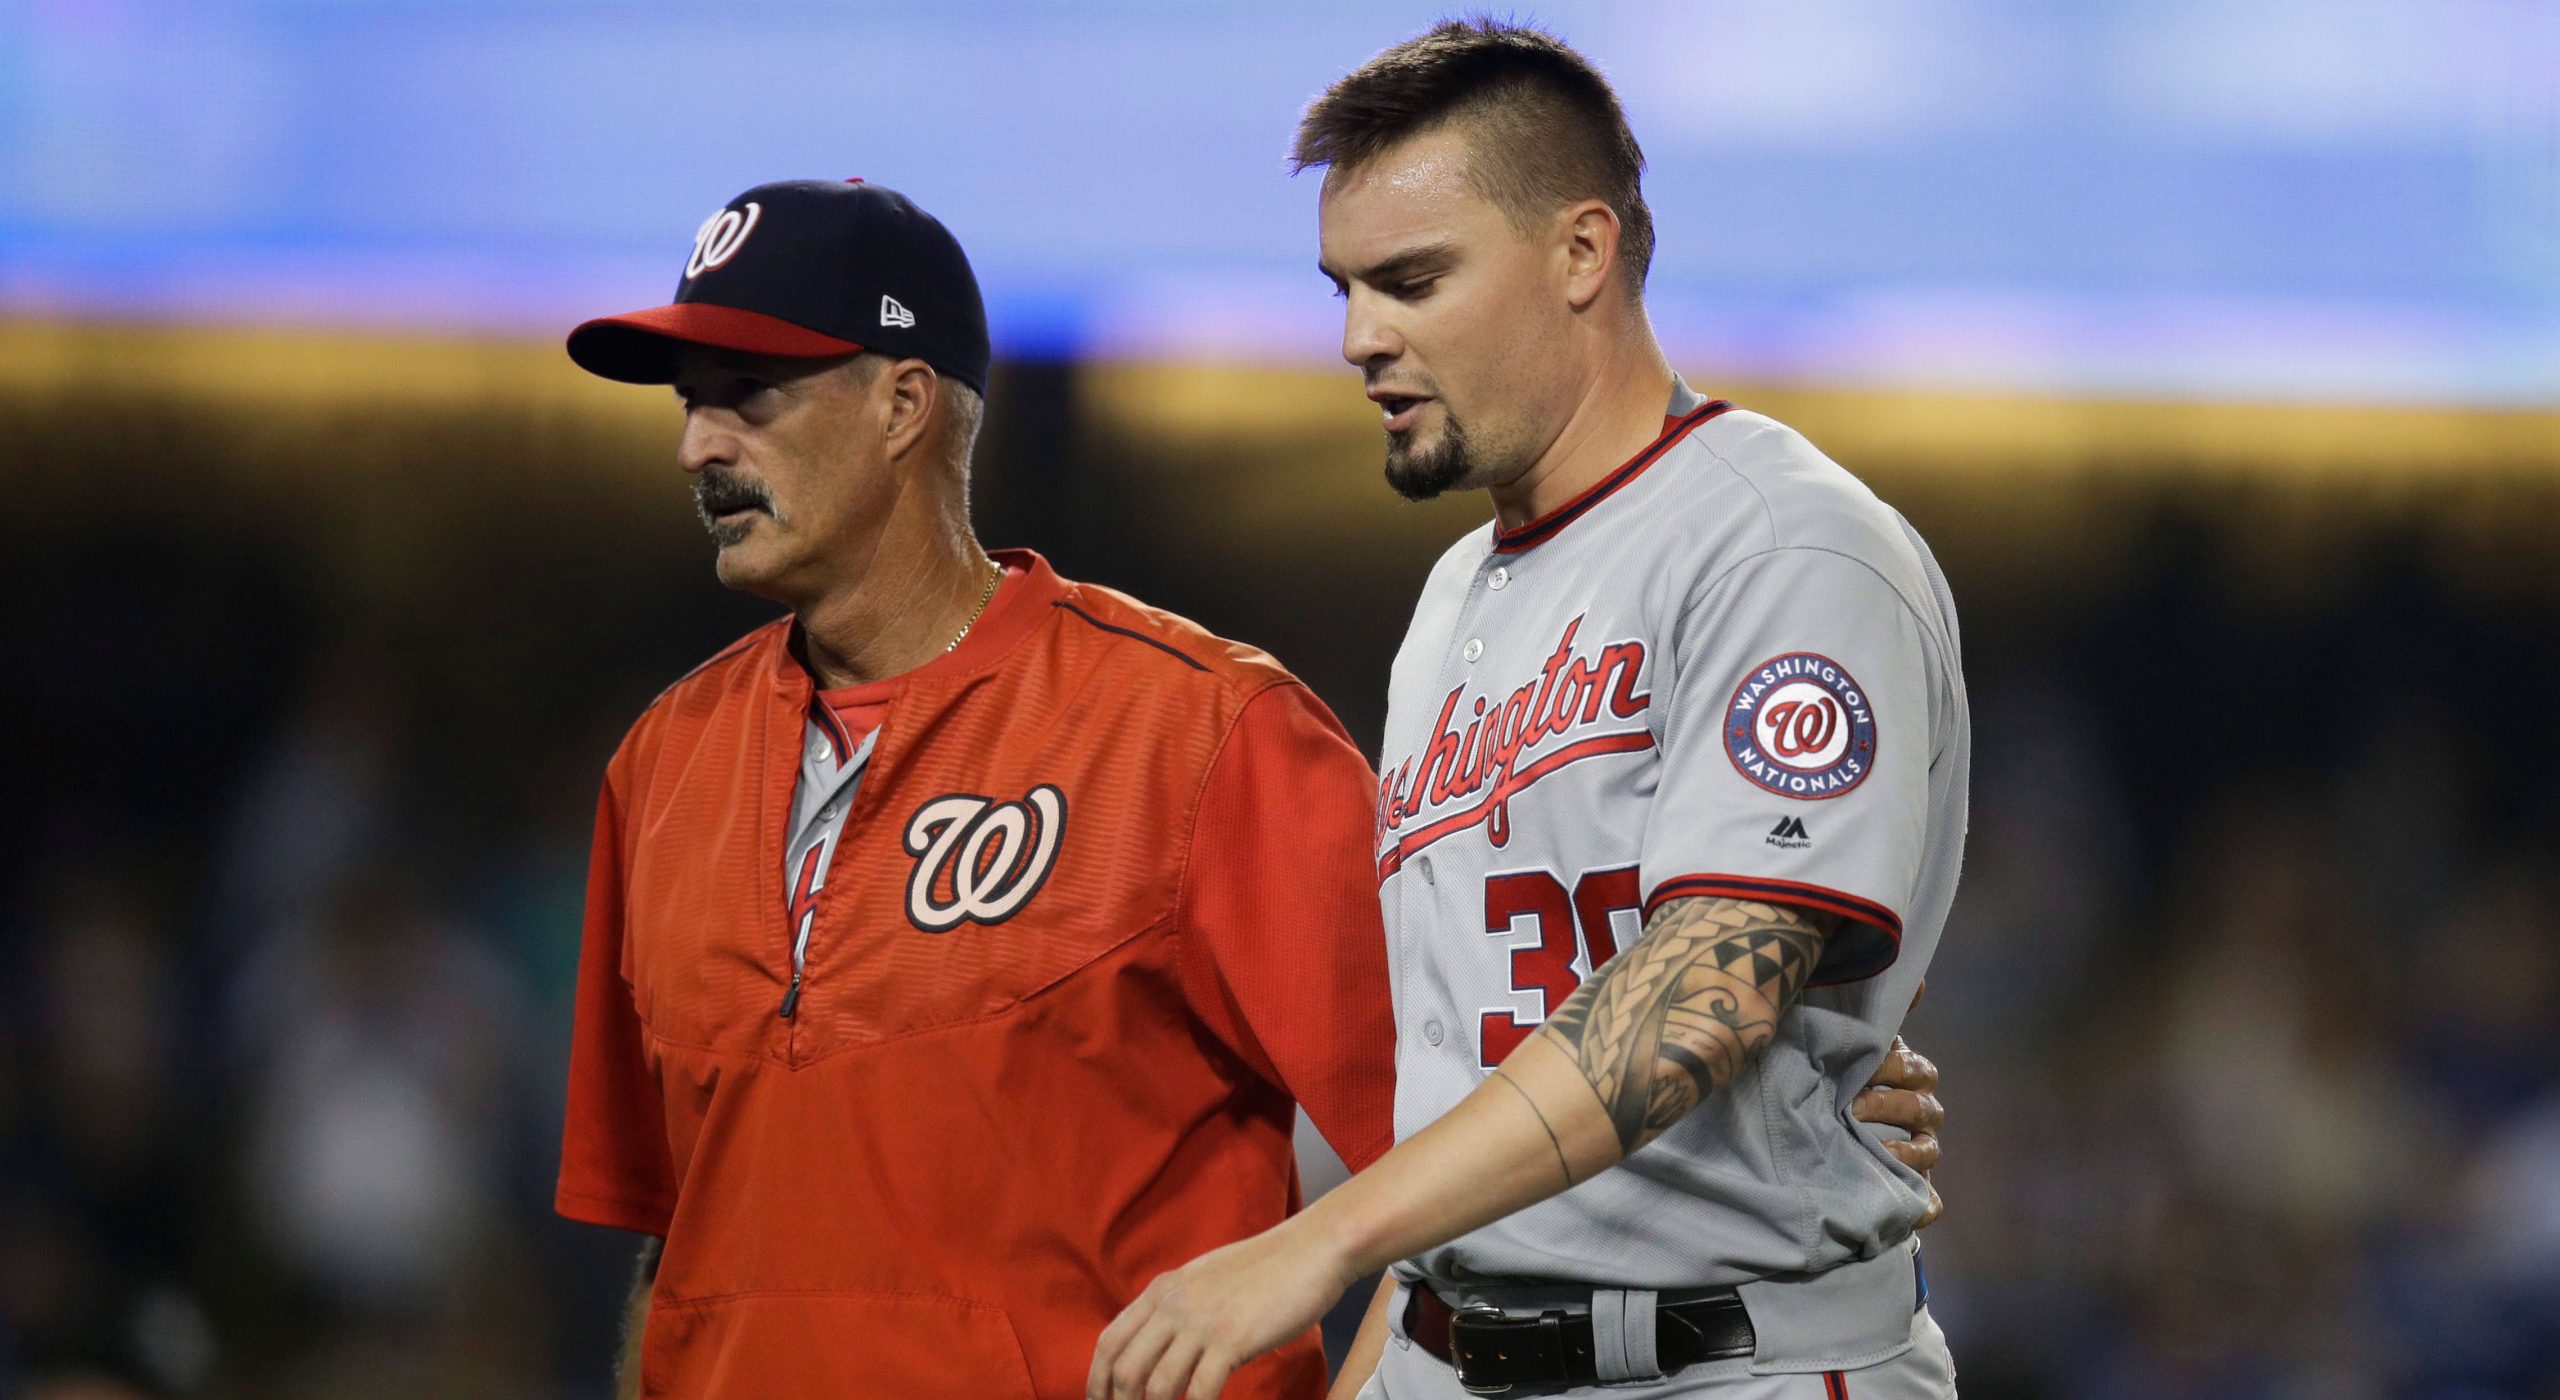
839 738
1547 526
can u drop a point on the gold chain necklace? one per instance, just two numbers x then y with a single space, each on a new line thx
983 599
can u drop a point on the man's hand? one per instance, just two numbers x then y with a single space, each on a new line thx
1196 1325
1904 1094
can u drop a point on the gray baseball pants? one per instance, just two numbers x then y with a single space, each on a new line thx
1925 1372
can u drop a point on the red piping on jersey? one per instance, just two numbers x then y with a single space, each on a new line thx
838 737
1835 1386
1544 528
1632 741
1803 896
1865 911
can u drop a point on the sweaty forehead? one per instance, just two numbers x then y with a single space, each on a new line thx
1416 191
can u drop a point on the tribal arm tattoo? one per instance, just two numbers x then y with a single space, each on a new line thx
1674 1018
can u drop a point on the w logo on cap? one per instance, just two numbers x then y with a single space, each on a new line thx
720 238
893 314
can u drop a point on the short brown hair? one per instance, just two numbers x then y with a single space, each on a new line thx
1546 127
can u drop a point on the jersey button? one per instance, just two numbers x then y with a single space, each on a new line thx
1426 871
1431 1031
1473 649
1500 579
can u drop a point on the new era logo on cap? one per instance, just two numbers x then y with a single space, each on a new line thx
892 314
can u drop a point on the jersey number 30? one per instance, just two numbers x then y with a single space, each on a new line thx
1546 966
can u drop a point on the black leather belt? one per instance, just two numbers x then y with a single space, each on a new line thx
1495 1354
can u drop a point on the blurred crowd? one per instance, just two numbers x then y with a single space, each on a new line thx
2249 1011
2251 1004
283 1124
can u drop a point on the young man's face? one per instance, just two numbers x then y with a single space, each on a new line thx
1453 316
791 473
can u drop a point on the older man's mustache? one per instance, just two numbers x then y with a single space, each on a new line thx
717 494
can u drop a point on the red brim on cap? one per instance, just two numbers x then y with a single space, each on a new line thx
640 346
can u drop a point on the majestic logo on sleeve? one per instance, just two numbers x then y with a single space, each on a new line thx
1500 748
980 859
1799 726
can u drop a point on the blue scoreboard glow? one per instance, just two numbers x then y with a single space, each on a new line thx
2356 198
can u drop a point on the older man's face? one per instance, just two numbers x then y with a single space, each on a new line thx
790 470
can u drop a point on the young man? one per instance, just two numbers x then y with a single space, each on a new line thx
1694 688
960 945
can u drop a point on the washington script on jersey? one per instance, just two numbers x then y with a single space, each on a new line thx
1506 746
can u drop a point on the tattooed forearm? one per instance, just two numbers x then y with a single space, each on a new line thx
1677 1016
1552 1140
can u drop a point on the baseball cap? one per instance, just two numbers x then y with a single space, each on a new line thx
805 269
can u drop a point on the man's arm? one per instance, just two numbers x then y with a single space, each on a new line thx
635 1321
1681 1013
1361 1361
1902 1093
1630 1053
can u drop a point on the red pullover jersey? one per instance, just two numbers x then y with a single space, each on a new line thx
1101 914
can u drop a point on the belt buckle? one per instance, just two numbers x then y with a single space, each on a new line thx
1480 1312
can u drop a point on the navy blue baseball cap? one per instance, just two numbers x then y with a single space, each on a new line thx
807 269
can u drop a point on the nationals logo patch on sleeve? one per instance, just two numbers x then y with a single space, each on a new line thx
1799 726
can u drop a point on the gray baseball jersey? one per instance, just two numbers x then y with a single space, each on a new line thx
1728 669
831 766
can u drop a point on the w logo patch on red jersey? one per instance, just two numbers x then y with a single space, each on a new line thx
980 859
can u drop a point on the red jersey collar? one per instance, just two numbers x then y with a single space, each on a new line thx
1546 527
1021 601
